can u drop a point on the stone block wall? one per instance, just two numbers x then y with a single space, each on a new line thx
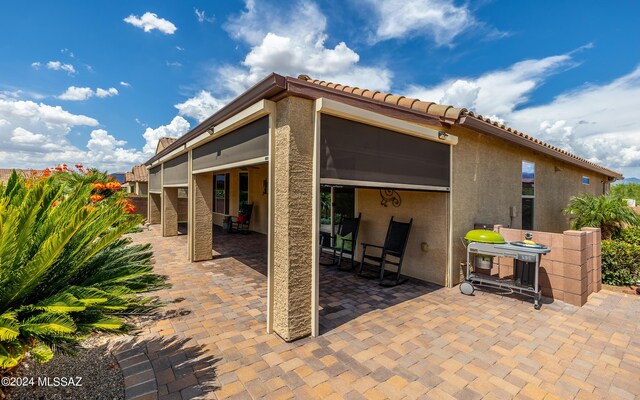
570 272
141 205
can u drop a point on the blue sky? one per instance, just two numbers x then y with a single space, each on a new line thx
98 85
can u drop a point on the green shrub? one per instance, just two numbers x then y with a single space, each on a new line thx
620 262
629 235
607 212
65 269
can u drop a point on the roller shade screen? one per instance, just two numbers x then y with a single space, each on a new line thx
176 171
155 179
245 143
358 152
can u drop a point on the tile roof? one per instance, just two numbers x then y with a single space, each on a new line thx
164 142
137 174
450 113
5 173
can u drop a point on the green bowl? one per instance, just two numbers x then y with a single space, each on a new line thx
484 236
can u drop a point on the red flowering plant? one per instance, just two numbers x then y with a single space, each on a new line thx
105 190
67 267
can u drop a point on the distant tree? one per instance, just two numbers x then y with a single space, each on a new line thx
627 191
607 212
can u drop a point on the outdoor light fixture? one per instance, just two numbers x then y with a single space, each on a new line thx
442 135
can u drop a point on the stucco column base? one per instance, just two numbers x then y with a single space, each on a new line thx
170 212
154 211
292 218
201 237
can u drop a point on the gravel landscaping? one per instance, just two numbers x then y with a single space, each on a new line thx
100 375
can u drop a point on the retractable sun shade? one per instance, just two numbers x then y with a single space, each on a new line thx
245 143
356 152
176 171
155 179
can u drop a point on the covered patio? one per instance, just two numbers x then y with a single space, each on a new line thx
414 340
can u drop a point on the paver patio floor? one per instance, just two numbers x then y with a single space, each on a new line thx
411 341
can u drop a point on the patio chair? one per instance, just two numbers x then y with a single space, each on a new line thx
392 253
241 222
342 242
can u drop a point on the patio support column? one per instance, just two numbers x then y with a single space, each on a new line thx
293 147
201 204
170 211
154 213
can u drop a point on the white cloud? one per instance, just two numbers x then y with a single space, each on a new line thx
202 16
21 135
291 44
50 116
598 122
175 64
106 92
36 136
68 52
179 48
125 84
150 21
74 93
60 66
440 19
176 128
36 65
495 93
201 106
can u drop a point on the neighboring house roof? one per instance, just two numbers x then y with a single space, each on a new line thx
137 174
5 173
163 143
275 87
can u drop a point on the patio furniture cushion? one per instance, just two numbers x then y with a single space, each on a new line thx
345 242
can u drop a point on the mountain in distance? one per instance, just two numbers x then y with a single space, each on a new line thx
627 180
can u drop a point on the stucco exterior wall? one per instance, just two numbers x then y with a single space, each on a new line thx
154 207
429 213
292 217
170 212
487 182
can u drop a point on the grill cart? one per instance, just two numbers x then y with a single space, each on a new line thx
482 245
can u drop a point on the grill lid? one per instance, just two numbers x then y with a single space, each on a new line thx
484 236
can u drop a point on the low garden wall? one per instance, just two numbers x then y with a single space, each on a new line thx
140 202
573 268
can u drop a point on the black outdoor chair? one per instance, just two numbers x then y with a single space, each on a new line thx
241 222
373 267
342 242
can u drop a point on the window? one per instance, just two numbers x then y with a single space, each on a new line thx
221 193
243 194
528 194
585 180
336 202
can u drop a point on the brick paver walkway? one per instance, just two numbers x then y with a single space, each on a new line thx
412 341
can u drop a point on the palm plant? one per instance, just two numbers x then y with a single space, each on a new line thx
65 268
607 212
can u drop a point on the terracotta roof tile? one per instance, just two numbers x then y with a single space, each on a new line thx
5 173
421 106
447 112
369 93
393 99
137 174
407 102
